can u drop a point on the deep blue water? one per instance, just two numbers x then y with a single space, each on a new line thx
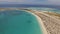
18 22
28 5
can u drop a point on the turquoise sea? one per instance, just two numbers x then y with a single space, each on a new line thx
21 22
18 22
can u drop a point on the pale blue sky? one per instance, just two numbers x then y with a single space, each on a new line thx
44 2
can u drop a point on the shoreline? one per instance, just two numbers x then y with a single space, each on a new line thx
40 22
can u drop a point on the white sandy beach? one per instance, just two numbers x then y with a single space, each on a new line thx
40 23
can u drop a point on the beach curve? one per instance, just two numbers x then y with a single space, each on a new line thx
40 22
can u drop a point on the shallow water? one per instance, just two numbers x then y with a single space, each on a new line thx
18 22
46 9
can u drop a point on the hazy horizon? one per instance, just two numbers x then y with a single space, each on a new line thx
33 2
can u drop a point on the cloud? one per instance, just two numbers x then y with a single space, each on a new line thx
18 1
46 2
12 0
54 2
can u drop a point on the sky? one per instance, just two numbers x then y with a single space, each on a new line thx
39 2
